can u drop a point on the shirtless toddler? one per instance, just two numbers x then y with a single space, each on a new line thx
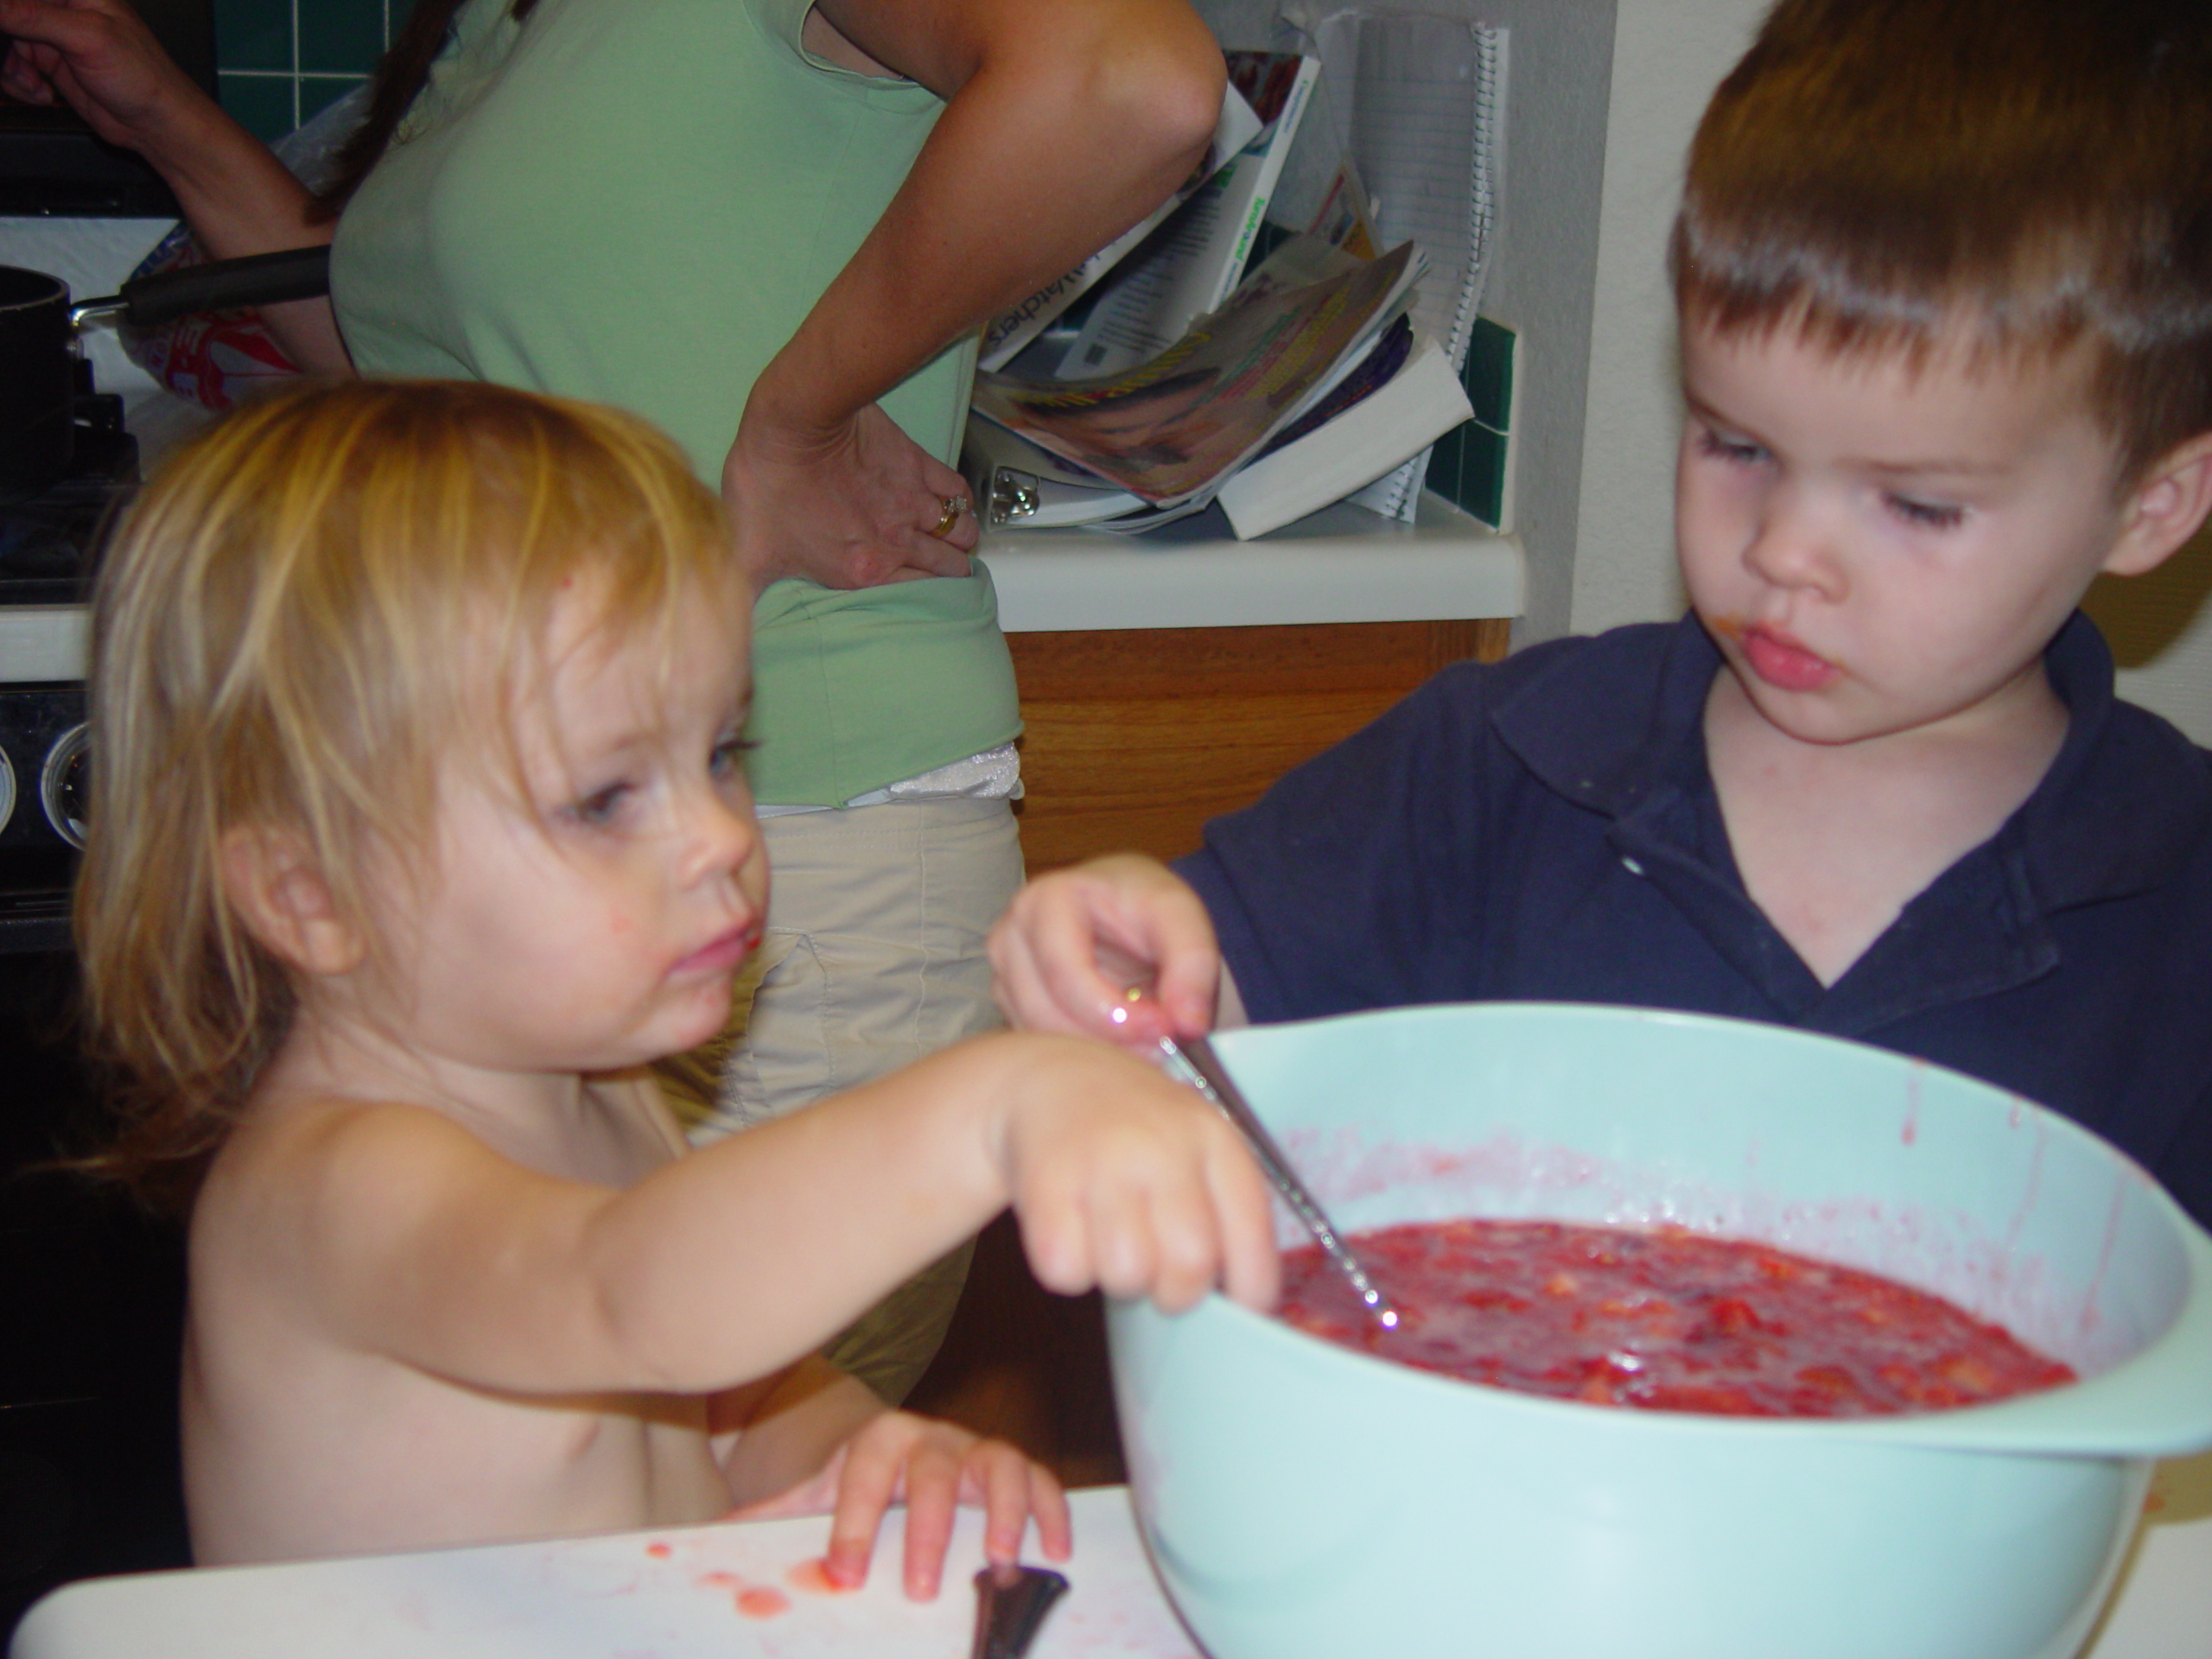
433 696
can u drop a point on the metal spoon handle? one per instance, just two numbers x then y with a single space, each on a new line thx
1195 1063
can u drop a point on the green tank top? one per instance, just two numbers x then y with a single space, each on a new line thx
636 202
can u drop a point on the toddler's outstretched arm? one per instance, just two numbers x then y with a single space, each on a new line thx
395 1230
1074 942
419 1241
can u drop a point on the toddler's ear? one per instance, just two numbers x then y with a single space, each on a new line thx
280 894
2165 509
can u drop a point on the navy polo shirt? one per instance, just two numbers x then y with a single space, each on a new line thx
1546 828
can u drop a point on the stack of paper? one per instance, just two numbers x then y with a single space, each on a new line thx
1310 382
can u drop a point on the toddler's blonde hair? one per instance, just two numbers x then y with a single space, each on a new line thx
305 611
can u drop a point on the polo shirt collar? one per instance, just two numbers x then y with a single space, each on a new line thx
2124 802
1631 724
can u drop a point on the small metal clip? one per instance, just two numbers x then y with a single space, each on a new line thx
1013 495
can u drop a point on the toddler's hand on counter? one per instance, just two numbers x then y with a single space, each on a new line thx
1072 944
935 1468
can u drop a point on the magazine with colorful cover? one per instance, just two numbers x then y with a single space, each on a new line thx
1402 397
1171 430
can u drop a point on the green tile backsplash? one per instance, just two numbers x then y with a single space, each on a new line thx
279 61
1468 465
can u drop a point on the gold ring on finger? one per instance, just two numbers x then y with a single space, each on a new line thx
954 506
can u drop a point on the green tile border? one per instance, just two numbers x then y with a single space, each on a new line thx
1468 465
342 39
255 33
265 105
279 62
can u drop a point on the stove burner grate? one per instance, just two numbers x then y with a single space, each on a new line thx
47 537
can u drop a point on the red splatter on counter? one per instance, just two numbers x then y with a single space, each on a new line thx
1663 1318
760 1602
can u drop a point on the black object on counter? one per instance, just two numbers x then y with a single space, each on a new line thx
38 379
1011 1603
40 365
53 163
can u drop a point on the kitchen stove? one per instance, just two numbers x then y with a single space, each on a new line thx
48 541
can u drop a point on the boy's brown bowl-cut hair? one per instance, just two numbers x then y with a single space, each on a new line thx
306 614
1876 173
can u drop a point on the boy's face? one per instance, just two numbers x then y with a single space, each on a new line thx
1878 549
601 922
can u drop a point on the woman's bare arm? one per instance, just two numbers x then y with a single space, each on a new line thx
1065 124
97 57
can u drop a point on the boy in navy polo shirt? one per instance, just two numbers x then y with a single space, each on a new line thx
1944 274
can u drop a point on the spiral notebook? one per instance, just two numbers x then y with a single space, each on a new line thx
1416 103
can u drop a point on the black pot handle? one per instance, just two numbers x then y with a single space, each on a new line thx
219 285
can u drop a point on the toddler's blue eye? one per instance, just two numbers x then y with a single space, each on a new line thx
729 756
1930 515
598 809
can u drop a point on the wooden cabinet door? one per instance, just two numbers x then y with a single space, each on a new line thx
1136 737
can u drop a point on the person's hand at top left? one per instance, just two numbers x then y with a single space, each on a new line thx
854 506
98 57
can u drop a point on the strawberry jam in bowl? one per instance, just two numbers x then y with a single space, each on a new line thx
1660 1319
1717 1340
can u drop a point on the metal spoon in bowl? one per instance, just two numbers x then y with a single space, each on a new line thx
1194 1061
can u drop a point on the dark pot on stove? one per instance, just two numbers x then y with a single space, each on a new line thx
39 327
38 379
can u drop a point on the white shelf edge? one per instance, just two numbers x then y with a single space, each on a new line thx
1341 564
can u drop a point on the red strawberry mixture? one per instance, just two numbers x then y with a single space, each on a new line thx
1664 1318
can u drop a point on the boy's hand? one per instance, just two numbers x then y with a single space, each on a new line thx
934 1467
1073 942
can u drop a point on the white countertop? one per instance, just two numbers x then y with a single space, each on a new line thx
749 1590
740 1590
1341 564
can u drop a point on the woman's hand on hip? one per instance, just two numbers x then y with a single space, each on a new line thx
856 506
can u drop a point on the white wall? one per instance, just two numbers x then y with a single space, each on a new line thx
1668 57
1563 63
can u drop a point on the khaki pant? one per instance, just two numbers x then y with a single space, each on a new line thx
872 959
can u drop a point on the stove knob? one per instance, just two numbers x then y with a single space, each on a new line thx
66 785
6 789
